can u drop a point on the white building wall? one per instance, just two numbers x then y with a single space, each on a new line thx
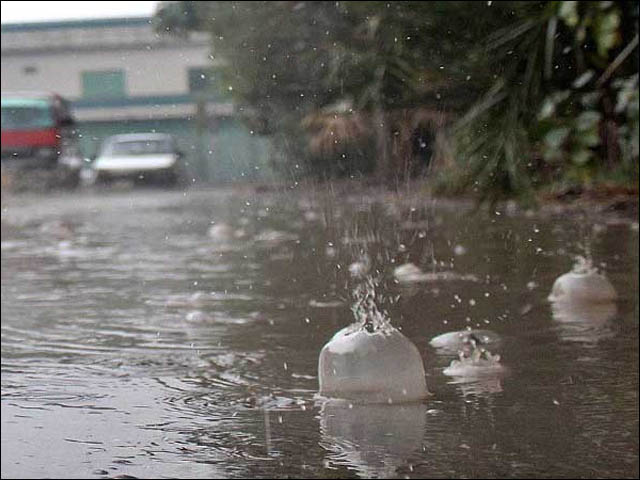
154 64
156 71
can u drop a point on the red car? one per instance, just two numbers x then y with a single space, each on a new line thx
38 131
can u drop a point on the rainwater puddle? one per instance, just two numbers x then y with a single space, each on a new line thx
136 342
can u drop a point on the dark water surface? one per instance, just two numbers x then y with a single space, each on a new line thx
134 343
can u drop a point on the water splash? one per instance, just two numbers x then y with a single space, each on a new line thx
365 308
361 267
453 342
582 284
583 265
370 360
474 352
474 360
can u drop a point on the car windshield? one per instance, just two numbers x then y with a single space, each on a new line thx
138 147
26 115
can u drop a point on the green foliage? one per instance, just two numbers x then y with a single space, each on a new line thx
580 125
562 65
629 133
286 61
544 90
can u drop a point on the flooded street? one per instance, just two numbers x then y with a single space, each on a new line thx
176 334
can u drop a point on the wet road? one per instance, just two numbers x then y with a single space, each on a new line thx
176 334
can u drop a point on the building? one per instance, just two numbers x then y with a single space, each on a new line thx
121 76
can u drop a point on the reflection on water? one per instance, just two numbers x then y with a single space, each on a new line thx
580 322
137 340
482 385
372 440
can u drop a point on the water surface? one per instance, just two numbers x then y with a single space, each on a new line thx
136 343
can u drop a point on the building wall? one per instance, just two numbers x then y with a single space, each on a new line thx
232 153
162 71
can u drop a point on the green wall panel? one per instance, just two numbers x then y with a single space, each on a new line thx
103 84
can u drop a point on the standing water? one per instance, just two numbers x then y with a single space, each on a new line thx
139 339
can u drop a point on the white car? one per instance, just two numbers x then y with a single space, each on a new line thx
141 157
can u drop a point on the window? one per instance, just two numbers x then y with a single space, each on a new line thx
26 114
103 84
138 147
30 70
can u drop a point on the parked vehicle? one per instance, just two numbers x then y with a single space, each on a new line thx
38 130
141 157
38 133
